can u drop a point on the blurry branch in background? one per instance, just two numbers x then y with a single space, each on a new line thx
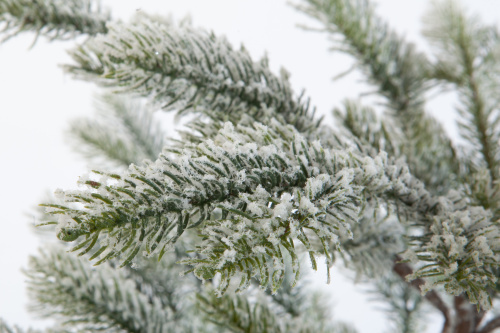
365 125
259 314
66 289
54 19
403 303
4 328
123 132
467 53
399 72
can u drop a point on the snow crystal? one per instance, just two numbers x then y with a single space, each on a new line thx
259 249
451 269
282 210
241 176
59 194
307 205
273 239
481 243
261 193
255 209
229 254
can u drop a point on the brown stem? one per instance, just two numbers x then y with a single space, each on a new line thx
465 319
490 326
479 318
403 270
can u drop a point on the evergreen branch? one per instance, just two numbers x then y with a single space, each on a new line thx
467 59
399 73
64 287
4 328
377 237
163 279
123 132
364 125
254 191
461 252
404 303
55 19
186 69
390 63
237 314
291 300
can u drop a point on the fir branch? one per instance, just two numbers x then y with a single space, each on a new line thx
124 132
404 303
4 328
66 288
363 124
461 251
186 69
54 19
389 63
399 73
467 58
238 314
377 237
254 191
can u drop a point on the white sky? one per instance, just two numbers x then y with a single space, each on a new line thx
38 99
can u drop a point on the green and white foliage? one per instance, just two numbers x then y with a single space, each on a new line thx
256 181
189 70
66 289
255 192
403 303
376 237
123 132
54 19
4 328
399 74
467 54
462 251
238 314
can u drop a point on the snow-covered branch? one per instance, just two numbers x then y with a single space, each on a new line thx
55 19
186 69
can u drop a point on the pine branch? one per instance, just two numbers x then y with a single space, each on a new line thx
54 19
188 70
391 64
466 53
364 125
404 303
399 73
253 191
124 132
4 328
377 237
66 288
238 314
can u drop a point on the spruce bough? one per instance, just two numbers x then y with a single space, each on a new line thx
257 182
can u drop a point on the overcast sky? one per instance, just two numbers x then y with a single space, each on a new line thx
38 100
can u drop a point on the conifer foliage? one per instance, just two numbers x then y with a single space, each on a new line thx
224 220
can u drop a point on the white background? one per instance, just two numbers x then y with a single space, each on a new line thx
37 100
